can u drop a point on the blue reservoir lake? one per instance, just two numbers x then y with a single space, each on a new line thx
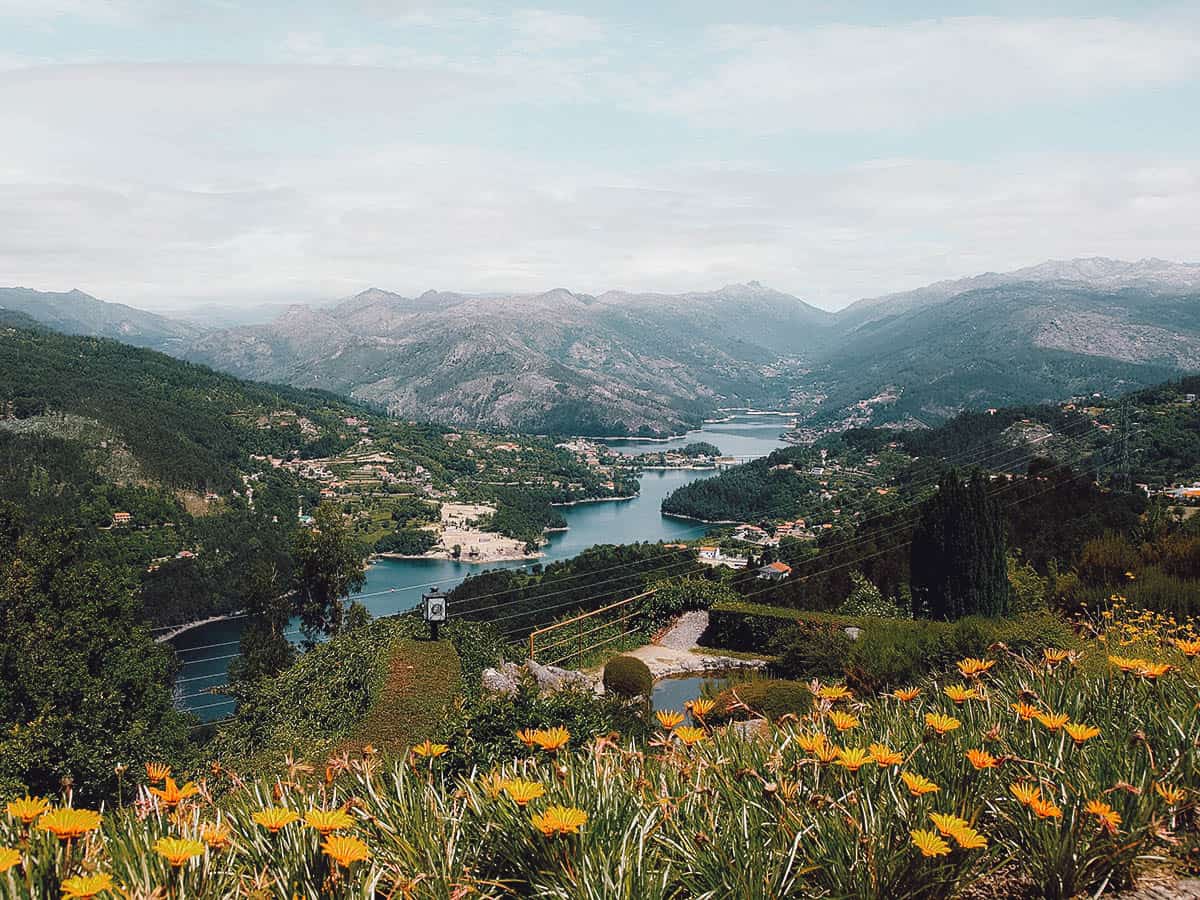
396 585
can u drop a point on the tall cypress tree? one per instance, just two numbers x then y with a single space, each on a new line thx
959 552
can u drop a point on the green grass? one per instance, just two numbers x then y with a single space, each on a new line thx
423 678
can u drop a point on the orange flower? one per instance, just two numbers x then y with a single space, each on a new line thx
1127 664
941 723
177 851
560 820
521 791
1110 819
428 750
689 735
969 839
885 755
28 808
701 707
157 771
960 693
853 759
918 785
1080 733
826 753
835 692
552 739
327 821
345 850
526 737
1045 809
930 843
67 823
981 759
810 743
1053 721
1024 711
1054 655
84 887
1152 671
1173 795
843 721
275 818
217 836
947 824
668 718
171 794
8 859
1026 793
973 668
1188 648
906 695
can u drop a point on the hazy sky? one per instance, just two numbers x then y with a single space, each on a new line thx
163 152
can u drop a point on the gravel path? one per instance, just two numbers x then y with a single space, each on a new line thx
685 633
1187 889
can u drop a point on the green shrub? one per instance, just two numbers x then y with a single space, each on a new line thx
753 627
771 697
628 676
811 649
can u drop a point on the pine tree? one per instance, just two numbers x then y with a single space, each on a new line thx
959 565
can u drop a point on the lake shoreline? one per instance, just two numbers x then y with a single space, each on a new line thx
177 630
672 515
590 500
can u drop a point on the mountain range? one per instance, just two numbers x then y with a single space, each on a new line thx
644 363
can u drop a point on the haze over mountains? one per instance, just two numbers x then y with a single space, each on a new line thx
624 362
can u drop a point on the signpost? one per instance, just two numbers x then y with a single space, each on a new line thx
433 608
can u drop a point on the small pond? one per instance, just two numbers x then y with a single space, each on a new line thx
674 692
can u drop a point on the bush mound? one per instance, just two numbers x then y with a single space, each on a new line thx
628 676
770 697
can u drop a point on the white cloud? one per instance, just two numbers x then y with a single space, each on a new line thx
864 78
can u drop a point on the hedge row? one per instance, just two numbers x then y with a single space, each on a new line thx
752 627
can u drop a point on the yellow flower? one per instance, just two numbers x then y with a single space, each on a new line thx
960 693
1045 809
826 753
1152 671
217 836
689 735
835 692
157 771
853 759
1026 793
345 850
68 823
1024 711
981 759
1173 795
969 838
668 718
930 843
326 821
1188 648
1053 655
885 755
552 739
274 818
906 695
843 721
526 737
701 707
941 723
428 750
1053 721
522 791
171 794
177 851
1127 664
84 887
973 668
1080 733
946 823
560 820
28 808
1110 819
918 785
8 858
809 743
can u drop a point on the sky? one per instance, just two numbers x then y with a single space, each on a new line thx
168 154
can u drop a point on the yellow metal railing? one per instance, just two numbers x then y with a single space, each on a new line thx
577 637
